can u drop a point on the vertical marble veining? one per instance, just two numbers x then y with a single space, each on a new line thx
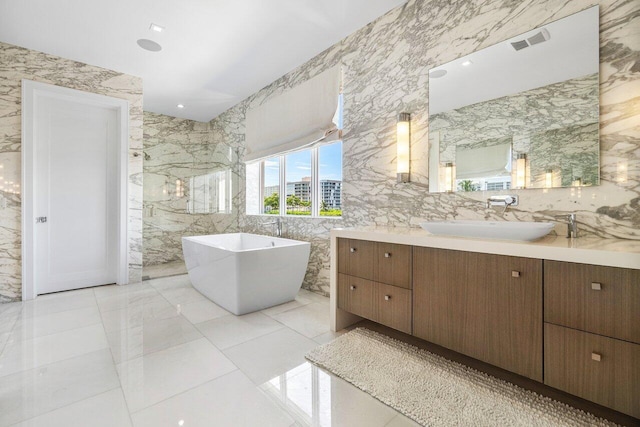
385 67
17 63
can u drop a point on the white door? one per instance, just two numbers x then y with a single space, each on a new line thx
76 190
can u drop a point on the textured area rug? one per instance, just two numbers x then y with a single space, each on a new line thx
435 391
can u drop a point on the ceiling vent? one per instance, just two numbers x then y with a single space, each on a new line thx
541 37
520 44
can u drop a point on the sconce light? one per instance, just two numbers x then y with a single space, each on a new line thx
521 170
548 178
179 188
448 177
403 142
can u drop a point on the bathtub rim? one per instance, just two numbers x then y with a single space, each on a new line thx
290 242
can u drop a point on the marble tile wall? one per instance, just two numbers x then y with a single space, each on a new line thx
385 72
17 63
178 149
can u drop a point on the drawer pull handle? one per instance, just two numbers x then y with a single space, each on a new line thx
387 254
595 356
596 286
352 250
387 297
352 287
515 273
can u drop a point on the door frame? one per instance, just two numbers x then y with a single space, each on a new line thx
31 92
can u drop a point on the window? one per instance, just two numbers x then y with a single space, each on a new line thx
271 186
310 180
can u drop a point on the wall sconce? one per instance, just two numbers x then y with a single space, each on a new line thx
521 170
179 188
448 177
403 142
548 178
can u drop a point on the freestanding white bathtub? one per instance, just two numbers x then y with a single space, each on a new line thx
244 272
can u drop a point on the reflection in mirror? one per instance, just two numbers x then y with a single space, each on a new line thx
210 193
520 114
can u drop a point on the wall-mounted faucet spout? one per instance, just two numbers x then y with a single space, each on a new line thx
505 201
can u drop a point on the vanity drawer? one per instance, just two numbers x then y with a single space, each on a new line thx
393 306
601 300
356 295
393 264
357 258
600 369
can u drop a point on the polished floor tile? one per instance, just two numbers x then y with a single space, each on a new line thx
33 327
125 300
29 354
134 316
298 302
158 353
27 394
327 337
201 311
55 303
229 401
402 421
102 292
152 335
318 398
173 282
104 410
310 320
270 355
182 295
227 331
152 378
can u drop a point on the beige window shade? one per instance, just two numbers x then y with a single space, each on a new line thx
299 117
483 162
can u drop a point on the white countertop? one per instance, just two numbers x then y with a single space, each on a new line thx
585 250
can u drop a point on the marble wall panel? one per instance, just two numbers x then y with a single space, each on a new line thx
178 149
17 63
385 67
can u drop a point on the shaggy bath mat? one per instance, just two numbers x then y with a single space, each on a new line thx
435 391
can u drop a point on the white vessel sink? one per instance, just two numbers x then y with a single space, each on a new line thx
513 230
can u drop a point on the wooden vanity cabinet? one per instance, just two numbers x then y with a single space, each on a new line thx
592 298
597 368
490 307
486 306
374 282
592 333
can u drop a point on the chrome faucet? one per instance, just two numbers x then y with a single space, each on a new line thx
572 226
278 224
505 201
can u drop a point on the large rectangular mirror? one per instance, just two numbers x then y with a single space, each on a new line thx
520 114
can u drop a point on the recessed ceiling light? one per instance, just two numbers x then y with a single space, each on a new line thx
180 106
466 63
149 45
436 74
157 28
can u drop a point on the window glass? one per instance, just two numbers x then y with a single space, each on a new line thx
298 179
330 179
271 186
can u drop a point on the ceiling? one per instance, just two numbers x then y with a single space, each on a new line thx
214 54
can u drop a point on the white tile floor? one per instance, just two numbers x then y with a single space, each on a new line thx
159 354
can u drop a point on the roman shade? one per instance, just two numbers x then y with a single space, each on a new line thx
295 119
483 162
